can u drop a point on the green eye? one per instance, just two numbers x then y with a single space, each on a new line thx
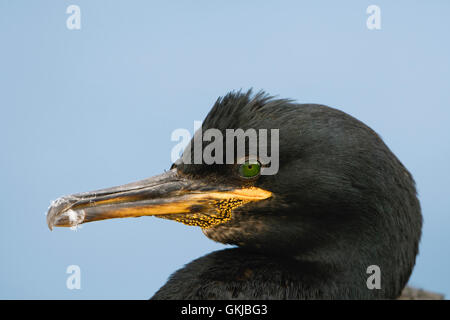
249 170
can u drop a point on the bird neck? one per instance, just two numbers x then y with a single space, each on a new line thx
239 273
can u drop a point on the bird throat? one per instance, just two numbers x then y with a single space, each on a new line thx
222 212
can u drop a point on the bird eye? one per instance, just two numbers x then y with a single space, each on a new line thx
249 170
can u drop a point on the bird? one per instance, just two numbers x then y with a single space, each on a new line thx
340 210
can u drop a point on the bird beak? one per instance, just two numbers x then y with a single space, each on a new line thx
169 195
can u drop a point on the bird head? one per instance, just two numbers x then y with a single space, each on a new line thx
331 187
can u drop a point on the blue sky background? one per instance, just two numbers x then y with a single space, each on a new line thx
92 108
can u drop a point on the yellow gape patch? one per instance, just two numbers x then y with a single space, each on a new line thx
223 214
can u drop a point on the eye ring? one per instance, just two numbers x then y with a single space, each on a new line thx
249 170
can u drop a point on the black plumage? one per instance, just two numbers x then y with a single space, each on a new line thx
342 202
